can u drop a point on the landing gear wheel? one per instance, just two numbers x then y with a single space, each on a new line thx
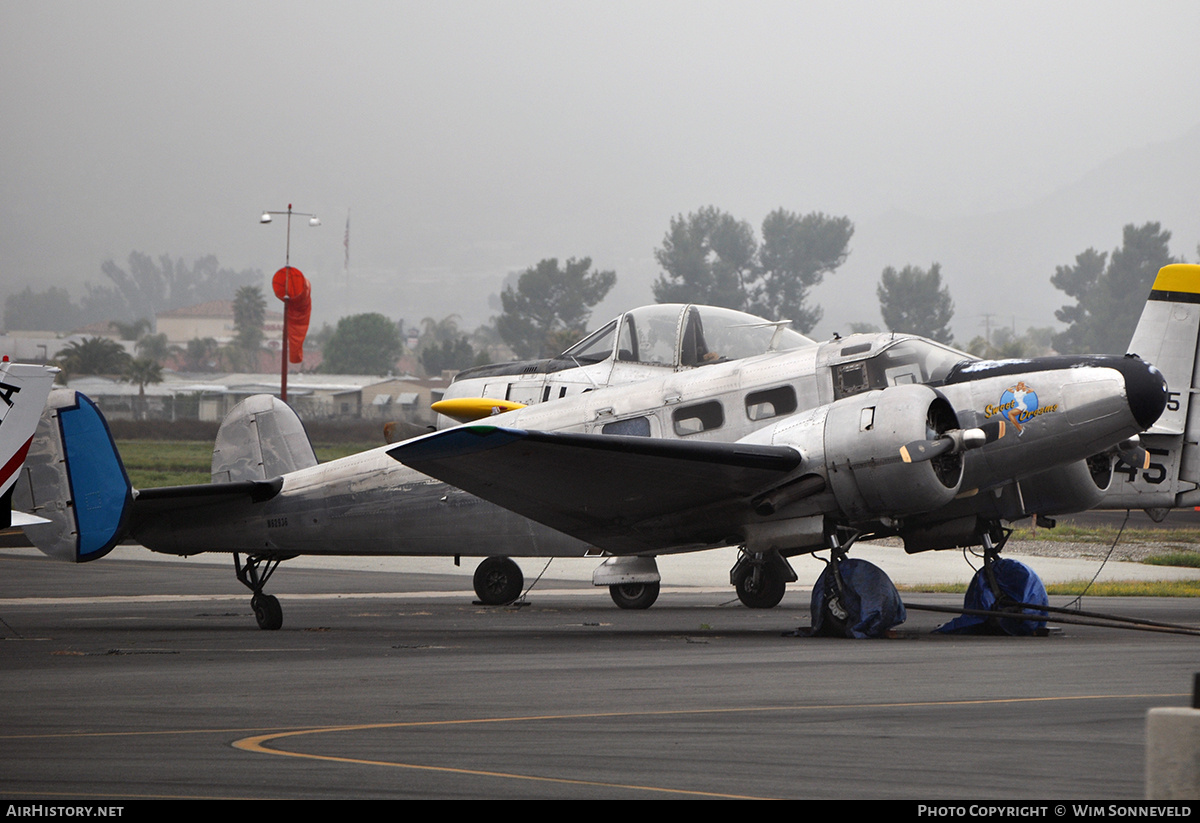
267 612
254 574
765 592
634 595
853 598
498 581
834 624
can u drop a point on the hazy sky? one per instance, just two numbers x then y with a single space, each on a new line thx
471 139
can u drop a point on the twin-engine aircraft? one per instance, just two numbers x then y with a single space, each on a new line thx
672 429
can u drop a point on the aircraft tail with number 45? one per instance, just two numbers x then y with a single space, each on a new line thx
1167 336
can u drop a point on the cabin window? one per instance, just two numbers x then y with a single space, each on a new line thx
701 417
633 427
763 405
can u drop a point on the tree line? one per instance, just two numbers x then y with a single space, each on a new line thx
707 257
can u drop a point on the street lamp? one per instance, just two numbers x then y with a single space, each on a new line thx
313 220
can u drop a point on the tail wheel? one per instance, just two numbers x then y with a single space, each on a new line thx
634 595
498 580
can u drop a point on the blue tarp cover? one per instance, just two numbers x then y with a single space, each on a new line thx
1018 582
870 599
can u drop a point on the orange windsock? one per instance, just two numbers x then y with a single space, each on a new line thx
293 289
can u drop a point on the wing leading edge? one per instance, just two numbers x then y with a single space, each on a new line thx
623 494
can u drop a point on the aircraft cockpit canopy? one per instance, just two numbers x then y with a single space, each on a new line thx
682 336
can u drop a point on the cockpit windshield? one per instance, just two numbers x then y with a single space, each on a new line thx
595 347
676 335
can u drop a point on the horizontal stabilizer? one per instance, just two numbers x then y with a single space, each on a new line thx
20 520
151 502
624 494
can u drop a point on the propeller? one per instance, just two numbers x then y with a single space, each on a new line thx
1131 452
954 441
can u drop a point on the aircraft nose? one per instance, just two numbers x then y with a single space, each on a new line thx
1145 390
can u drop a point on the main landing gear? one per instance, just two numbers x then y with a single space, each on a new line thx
1002 585
498 581
254 575
854 598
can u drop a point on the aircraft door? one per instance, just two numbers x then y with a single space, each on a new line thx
527 392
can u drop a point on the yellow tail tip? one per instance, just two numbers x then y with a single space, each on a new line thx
1178 277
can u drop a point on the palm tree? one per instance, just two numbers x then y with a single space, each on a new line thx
130 331
142 371
155 347
201 354
92 355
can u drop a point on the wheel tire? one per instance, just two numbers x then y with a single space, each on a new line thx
766 595
267 612
634 595
836 619
498 581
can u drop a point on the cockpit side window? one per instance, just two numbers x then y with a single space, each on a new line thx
627 348
693 350
850 379
908 361
656 338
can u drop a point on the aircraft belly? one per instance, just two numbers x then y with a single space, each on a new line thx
417 519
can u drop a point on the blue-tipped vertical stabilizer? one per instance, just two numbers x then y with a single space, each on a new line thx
75 479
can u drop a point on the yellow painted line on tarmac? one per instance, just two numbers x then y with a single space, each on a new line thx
258 743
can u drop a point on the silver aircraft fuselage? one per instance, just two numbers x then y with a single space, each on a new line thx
1063 410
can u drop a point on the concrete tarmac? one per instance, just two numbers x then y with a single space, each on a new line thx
134 678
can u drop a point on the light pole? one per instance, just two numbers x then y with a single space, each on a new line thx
313 220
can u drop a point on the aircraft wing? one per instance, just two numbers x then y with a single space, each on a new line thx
623 494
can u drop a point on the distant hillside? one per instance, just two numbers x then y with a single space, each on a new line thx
1001 263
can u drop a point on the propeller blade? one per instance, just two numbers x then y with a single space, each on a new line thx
919 450
1131 452
957 440
993 431
1137 457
